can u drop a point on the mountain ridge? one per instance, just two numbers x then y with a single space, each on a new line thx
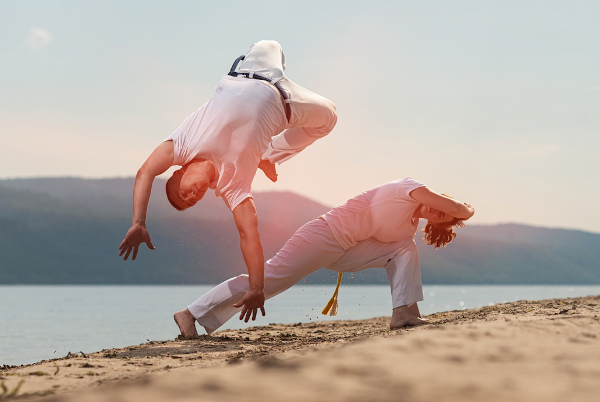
67 230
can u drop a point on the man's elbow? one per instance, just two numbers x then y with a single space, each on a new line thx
143 173
249 235
463 212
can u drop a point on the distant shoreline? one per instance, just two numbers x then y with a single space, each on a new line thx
354 283
89 216
466 354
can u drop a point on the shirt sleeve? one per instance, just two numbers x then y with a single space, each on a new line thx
182 153
233 199
176 138
234 187
405 186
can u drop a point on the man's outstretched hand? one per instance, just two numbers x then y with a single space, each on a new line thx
250 303
136 235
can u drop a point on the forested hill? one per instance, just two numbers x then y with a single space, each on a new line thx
67 231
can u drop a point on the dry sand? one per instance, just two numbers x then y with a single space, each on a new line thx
523 351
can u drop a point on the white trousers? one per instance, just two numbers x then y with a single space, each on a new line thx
313 247
312 116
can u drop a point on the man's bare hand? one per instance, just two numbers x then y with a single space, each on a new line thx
250 303
135 236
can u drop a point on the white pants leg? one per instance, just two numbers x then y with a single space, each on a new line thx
404 275
310 248
313 247
400 260
312 115
265 58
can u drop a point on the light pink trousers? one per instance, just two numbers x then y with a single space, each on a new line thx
313 247
312 116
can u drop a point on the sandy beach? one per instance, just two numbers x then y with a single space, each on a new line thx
523 351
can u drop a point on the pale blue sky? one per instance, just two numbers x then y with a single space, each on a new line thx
494 102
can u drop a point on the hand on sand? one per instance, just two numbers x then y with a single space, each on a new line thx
136 235
250 303
269 169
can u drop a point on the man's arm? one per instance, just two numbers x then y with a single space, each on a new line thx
157 163
430 198
246 222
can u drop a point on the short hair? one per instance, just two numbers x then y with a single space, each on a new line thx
440 234
171 201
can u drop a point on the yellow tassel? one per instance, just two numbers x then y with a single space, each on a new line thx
334 309
328 306
332 304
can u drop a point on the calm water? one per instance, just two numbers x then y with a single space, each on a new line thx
44 322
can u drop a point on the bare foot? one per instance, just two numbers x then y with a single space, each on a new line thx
413 322
268 168
186 323
402 317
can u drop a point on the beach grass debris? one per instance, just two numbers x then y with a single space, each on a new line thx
6 393
38 373
57 368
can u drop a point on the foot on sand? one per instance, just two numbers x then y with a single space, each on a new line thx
268 168
401 317
186 323
413 322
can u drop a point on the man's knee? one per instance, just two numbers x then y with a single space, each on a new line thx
267 47
328 119
271 44
332 113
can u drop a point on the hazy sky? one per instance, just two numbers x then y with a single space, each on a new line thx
494 102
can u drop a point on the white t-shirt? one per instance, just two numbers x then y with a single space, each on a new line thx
232 130
384 213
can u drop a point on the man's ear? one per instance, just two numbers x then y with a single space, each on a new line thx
178 172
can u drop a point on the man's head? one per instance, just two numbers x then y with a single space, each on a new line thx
439 230
435 216
188 185
440 234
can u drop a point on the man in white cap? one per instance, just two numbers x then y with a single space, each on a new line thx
256 117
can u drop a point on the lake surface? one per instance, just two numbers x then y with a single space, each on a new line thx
45 322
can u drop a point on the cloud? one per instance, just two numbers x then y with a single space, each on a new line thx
38 38
539 151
